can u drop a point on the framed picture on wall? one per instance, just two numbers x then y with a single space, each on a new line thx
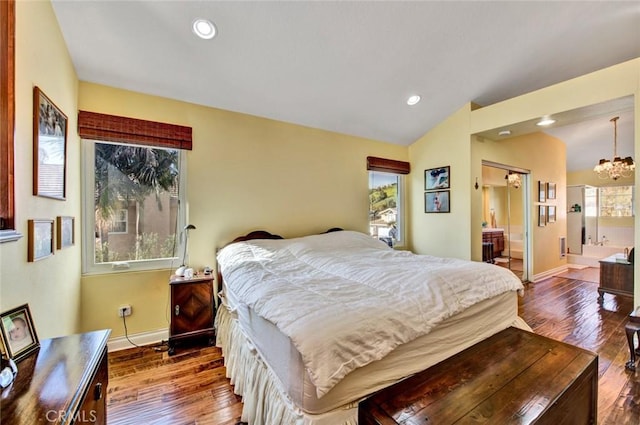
436 178
542 191
551 214
551 191
49 147
437 202
542 215
40 240
65 232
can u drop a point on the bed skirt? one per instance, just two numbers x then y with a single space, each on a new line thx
263 401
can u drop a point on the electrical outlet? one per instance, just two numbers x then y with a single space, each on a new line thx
124 310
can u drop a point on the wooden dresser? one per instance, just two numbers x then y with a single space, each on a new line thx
513 377
615 277
64 382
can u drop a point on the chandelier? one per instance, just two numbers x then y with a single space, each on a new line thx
617 167
513 179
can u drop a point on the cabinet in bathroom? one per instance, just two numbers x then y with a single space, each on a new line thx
496 238
615 277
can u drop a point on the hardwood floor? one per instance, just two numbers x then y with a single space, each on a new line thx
149 387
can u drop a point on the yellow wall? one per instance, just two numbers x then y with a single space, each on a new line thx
442 234
51 286
244 173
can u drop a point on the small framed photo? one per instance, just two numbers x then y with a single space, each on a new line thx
19 336
49 148
437 202
436 178
542 215
542 191
551 191
65 231
551 214
40 243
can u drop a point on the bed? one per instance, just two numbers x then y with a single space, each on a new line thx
310 326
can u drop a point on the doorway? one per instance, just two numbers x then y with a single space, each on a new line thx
505 203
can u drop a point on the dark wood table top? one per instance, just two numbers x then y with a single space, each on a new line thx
50 380
514 373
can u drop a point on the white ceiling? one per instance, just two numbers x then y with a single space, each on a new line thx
348 66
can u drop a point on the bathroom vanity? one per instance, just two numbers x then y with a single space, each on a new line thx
616 276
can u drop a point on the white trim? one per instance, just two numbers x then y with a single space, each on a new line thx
9 235
144 338
541 276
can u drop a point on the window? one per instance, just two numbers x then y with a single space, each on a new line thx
591 201
132 200
133 190
386 199
119 222
385 207
609 201
616 201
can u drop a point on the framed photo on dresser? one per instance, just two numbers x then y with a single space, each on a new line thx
19 337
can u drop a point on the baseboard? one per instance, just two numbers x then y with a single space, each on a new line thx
143 338
541 276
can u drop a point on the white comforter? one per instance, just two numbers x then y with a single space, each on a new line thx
345 299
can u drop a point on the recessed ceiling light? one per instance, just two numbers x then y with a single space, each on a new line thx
204 28
545 121
504 133
412 100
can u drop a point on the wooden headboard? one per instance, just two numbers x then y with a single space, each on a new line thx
256 234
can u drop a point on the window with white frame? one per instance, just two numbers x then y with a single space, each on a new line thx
386 177
385 207
133 190
591 201
132 198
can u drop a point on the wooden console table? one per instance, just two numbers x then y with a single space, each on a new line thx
615 277
64 382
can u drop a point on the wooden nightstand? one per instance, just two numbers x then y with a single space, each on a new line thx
192 309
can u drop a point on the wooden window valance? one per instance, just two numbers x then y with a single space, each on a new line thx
387 165
7 113
111 128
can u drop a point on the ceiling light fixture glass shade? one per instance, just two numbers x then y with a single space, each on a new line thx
617 167
204 28
413 100
513 179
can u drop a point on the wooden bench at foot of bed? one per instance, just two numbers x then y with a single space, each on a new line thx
512 377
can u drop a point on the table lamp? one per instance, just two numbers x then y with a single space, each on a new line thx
183 266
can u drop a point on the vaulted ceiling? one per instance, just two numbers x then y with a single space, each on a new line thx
349 66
